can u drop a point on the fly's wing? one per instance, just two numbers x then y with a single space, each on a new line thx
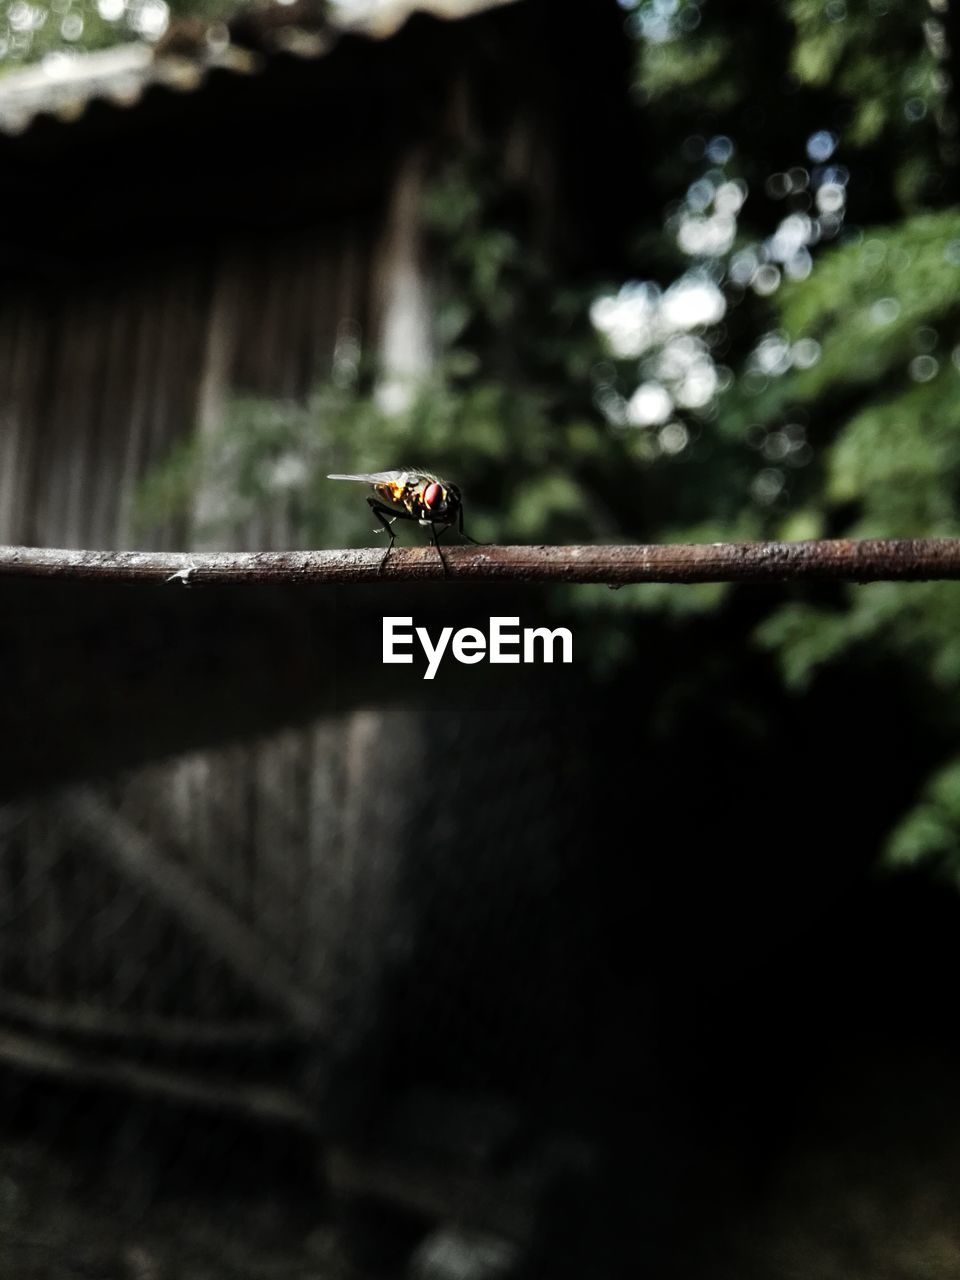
391 487
375 477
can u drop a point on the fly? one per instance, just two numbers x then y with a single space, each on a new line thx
413 495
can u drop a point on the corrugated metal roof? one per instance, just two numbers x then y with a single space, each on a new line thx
63 85
382 18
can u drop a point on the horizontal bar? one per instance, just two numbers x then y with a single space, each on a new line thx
870 560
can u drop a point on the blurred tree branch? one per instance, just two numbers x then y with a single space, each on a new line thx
262 1102
840 560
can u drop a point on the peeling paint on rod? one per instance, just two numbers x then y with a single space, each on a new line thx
839 561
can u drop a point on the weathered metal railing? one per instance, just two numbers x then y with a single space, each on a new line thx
868 560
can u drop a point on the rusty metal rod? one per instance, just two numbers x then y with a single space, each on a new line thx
870 560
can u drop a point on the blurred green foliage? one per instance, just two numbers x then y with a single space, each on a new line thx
928 833
32 29
843 47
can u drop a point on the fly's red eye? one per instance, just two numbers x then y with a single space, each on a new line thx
432 494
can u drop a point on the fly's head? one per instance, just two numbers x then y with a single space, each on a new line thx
442 502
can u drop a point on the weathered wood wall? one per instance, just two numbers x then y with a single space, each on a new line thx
221 885
98 383
214 888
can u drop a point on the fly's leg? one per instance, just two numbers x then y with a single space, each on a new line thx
436 543
382 513
463 533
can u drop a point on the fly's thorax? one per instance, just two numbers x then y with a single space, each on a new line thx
424 498
397 493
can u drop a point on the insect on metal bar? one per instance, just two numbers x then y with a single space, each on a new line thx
413 495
